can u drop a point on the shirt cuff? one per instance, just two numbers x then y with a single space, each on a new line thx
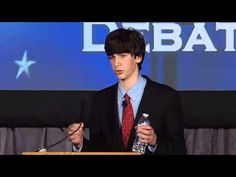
152 148
77 148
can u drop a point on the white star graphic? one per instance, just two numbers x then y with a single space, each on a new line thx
24 65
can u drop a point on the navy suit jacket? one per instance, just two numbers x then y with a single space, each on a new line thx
161 102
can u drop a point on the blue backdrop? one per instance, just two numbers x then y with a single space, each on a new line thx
70 55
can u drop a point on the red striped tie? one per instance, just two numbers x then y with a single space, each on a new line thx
127 120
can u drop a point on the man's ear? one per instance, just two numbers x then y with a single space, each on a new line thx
138 59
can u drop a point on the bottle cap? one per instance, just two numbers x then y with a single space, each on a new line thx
145 115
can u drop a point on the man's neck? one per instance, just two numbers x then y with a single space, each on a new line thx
130 82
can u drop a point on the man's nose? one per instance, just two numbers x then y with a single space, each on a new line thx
117 62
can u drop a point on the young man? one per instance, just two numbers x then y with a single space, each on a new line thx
117 109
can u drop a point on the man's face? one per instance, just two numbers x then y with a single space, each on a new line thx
124 65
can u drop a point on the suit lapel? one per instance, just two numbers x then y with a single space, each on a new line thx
143 106
117 141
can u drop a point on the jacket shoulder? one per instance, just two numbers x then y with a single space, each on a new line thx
106 92
161 87
161 90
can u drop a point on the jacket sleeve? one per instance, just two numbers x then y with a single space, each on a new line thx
171 140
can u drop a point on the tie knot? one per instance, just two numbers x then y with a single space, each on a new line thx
127 98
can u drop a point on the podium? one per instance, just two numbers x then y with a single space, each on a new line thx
81 153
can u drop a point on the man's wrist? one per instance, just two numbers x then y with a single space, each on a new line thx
154 141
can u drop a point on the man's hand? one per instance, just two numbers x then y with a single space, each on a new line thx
147 134
77 137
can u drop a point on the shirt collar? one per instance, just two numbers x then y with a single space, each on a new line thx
132 92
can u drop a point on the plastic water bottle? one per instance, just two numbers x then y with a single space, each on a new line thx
139 146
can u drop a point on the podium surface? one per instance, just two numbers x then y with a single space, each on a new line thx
80 153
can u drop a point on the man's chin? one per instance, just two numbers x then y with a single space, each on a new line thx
120 77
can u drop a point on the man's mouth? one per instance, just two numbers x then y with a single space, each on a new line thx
118 72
